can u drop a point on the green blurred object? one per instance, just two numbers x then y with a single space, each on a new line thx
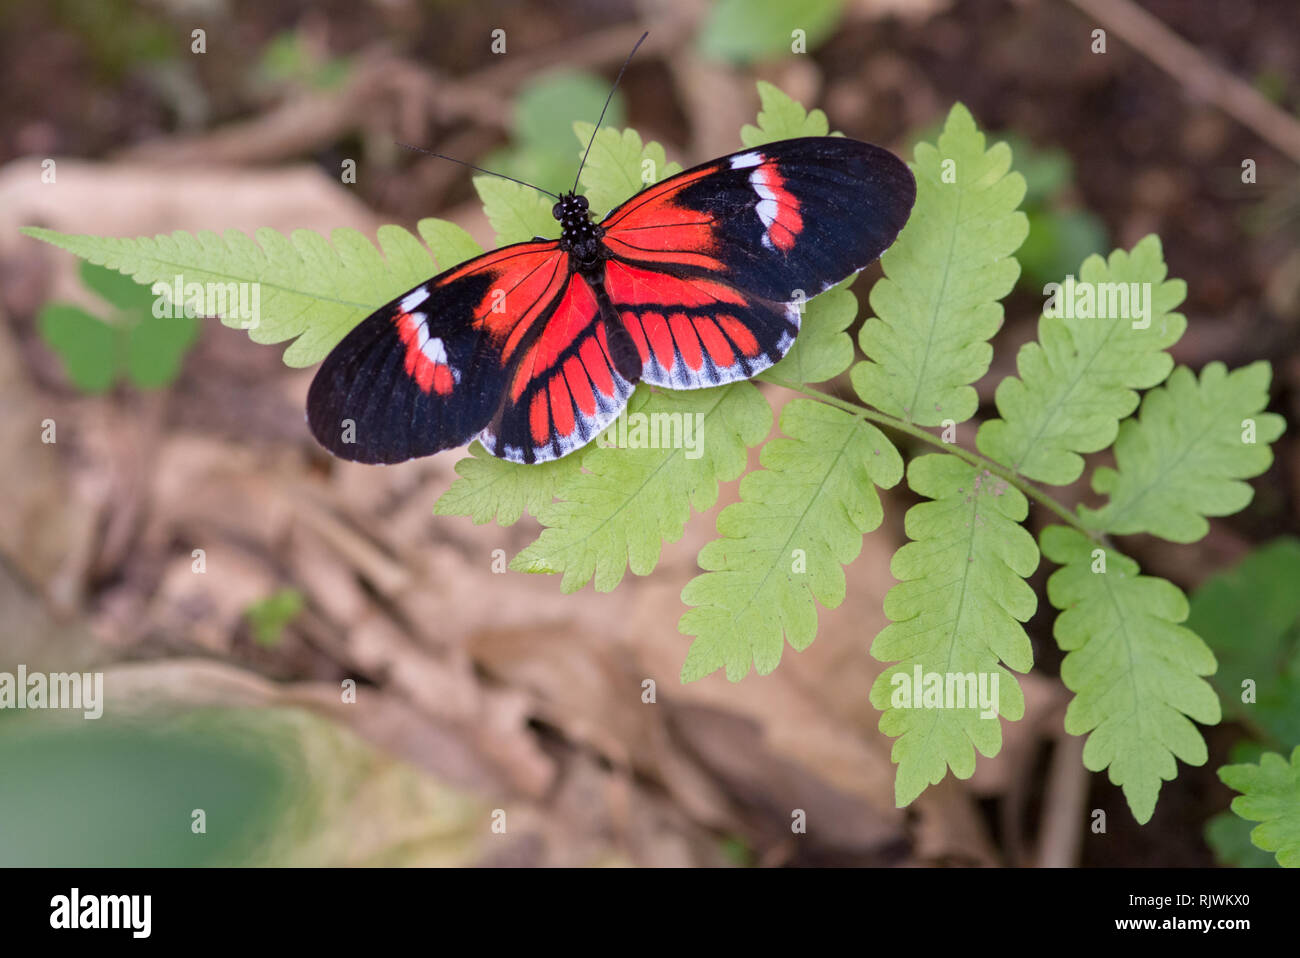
742 31
135 344
1060 238
97 793
269 617
228 787
1250 617
288 60
542 150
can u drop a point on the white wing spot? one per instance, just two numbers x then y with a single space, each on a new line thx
745 160
434 350
414 298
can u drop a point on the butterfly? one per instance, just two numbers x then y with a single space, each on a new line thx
534 348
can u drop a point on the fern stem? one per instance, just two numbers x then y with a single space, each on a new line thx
974 458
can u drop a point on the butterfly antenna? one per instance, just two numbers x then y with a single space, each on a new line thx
479 168
606 107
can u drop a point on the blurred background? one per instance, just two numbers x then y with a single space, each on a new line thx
185 536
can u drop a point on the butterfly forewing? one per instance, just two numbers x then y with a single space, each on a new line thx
427 371
710 268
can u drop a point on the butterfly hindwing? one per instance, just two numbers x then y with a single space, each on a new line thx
569 383
426 371
693 329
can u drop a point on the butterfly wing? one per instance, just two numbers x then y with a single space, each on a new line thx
570 381
709 269
427 371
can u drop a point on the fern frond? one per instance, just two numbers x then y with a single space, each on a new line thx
1134 671
1186 455
626 502
782 547
782 118
956 611
938 304
1079 380
492 490
310 290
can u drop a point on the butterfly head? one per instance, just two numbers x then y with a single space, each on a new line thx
578 234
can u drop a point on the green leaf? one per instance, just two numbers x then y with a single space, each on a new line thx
782 118
119 291
616 513
746 30
1135 672
269 617
491 489
1270 793
86 344
309 290
450 244
937 305
1229 838
1250 616
801 517
1077 382
541 151
823 349
956 612
517 213
1057 240
552 103
1183 459
619 166
155 348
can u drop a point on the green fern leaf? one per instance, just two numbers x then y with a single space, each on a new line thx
823 349
801 517
938 304
1077 382
619 166
956 611
1270 794
309 290
489 489
1185 457
782 118
628 501
516 212
1135 672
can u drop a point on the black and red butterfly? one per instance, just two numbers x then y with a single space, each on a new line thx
535 348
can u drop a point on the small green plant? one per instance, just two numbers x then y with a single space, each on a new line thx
1250 616
269 617
132 343
1137 673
